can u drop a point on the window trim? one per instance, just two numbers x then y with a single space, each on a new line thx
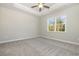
55 24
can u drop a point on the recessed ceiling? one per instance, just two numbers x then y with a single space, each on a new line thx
27 7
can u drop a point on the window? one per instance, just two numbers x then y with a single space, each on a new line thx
51 24
57 24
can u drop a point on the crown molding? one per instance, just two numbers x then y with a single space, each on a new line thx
30 10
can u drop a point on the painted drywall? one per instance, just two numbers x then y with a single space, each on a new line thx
15 25
72 24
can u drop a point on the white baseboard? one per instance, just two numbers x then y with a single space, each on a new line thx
40 36
61 40
19 39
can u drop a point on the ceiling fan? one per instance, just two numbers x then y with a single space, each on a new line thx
40 6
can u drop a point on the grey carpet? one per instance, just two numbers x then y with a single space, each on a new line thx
37 47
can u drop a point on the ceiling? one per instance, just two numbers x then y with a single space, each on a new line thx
27 7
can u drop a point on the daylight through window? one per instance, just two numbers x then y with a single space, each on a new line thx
57 24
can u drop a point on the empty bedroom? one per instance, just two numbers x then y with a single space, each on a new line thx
39 29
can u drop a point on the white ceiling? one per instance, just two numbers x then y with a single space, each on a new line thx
27 7
36 9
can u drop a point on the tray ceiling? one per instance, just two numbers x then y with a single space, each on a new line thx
27 7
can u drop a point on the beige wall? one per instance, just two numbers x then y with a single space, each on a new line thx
72 24
17 25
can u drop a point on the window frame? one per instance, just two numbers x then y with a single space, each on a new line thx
65 20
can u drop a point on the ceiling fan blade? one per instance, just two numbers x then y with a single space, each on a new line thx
43 3
46 6
34 6
40 9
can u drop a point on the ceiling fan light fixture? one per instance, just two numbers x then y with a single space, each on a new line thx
40 5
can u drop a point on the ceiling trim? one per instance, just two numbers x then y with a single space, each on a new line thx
24 8
52 8
27 9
